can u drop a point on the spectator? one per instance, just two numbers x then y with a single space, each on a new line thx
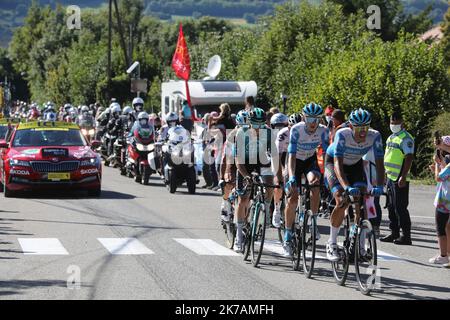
205 136
186 117
441 170
249 103
397 161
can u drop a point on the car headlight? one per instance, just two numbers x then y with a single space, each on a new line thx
91 132
84 132
18 163
89 162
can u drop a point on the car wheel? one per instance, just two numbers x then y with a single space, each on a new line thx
8 193
95 192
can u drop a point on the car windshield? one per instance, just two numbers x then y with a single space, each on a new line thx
3 130
48 137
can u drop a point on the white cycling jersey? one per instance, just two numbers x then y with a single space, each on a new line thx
303 144
345 146
282 141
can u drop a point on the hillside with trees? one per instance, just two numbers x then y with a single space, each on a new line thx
12 12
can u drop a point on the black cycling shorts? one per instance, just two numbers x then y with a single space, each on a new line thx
355 175
307 166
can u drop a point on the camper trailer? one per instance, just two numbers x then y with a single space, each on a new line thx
206 95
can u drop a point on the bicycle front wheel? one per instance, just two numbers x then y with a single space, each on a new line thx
258 233
309 243
340 268
366 258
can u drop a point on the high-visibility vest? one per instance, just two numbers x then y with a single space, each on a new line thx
394 156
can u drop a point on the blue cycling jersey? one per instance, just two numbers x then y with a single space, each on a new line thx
304 144
345 146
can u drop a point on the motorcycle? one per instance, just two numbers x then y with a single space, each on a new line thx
103 149
178 160
139 147
88 133
120 152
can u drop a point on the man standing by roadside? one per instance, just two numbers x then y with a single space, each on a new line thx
397 161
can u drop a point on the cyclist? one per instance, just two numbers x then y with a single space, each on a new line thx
283 124
228 165
302 160
345 171
252 154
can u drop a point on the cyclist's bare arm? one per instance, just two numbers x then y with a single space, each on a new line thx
292 162
380 171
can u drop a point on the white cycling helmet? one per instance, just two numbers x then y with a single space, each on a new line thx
84 109
279 119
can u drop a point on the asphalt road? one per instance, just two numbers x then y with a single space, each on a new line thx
140 242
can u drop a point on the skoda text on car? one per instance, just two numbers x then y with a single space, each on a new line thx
43 155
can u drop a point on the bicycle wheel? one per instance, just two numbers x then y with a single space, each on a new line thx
297 242
366 257
247 233
340 268
309 243
230 233
258 233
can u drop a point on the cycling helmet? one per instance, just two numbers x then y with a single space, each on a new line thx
242 118
312 110
127 110
295 118
279 119
172 116
360 117
84 109
257 116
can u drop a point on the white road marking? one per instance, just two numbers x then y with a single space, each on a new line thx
42 246
277 248
384 256
206 247
422 217
124 246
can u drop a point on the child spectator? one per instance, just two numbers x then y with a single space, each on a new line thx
442 203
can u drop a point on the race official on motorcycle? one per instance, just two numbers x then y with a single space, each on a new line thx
129 118
172 120
114 127
85 119
143 122
138 105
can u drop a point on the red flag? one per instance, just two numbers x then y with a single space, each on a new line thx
181 63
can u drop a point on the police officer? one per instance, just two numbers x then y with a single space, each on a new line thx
397 161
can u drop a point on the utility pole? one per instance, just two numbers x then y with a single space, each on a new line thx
109 51
122 39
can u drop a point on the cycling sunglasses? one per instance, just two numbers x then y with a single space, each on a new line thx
258 125
361 128
312 120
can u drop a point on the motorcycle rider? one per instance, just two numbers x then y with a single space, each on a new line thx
172 120
138 105
114 128
129 118
85 119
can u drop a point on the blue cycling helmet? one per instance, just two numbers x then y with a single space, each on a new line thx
242 118
360 117
279 119
313 110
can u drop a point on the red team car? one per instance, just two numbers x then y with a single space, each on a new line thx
46 155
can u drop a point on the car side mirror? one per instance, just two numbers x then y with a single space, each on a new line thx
95 144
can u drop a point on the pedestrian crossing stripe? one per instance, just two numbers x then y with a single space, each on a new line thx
124 246
42 246
206 247
132 246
